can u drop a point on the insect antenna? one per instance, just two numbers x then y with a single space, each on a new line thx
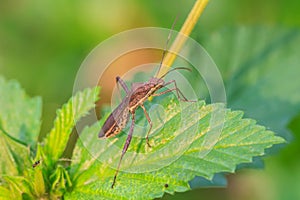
166 47
185 68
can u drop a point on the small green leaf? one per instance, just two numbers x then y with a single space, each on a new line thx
19 128
5 193
18 186
77 107
38 182
14 157
20 115
60 182
145 172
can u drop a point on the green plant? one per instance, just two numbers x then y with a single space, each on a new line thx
87 177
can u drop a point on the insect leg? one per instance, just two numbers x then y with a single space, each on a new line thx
122 83
170 90
126 145
178 91
150 123
163 92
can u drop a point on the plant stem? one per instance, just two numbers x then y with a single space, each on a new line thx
185 31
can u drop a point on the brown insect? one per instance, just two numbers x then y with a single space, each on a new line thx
135 97
36 163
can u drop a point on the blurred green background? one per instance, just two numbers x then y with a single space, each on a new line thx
42 44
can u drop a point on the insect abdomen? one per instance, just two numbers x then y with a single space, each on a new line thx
114 123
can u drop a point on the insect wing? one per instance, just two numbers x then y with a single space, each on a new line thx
116 120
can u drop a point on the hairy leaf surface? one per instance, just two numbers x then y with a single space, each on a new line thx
77 107
149 175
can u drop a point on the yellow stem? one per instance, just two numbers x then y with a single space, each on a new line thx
185 31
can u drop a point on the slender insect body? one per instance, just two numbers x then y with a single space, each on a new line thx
142 91
36 163
116 121
135 97
138 94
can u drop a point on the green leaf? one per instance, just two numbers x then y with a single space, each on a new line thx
38 182
77 107
15 156
5 193
261 71
178 153
19 114
259 67
19 127
60 182
18 186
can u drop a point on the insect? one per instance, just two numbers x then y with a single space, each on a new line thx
36 163
135 97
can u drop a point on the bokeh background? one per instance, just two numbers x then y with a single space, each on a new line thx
43 43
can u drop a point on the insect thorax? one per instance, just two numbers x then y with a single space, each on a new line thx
141 94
